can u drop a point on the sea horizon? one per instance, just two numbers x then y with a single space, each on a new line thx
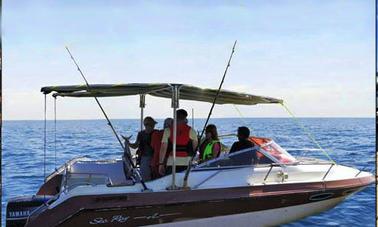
4 120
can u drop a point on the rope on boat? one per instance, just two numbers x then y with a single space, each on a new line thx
308 133
240 114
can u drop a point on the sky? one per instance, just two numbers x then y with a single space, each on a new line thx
318 56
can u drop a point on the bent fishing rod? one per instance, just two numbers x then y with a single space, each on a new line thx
185 183
107 119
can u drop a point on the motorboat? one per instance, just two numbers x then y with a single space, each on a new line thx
228 190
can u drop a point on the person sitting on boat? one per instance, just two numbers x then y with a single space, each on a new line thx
145 150
156 145
244 142
211 147
186 143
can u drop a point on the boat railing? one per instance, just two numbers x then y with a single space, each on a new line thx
329 169
64 166
285 175
360 171
357 168
205 166
270 170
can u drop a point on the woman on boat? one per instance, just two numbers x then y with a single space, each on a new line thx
211 147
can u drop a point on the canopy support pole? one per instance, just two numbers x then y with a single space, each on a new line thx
192 118
44 142
142 104
175 105
55 131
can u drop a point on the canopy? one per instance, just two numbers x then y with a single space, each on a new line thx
187 92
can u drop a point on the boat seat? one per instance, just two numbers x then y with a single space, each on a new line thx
111 171
127 183
77 179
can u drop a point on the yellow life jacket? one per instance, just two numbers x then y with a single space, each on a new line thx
208 152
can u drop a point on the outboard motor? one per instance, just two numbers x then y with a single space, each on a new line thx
19 208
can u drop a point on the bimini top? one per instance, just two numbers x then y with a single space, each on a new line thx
164 90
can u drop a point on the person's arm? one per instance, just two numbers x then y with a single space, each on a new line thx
255 158
163 151
194 138
216 149
233 147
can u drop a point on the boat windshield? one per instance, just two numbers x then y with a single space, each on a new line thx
275 152
267 152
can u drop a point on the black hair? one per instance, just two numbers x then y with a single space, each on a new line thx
243 132
181 114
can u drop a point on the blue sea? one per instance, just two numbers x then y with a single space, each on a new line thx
349 141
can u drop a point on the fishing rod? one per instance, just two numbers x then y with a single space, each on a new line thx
107 118
185 184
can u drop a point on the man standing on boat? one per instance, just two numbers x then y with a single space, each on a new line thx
186 143
145 150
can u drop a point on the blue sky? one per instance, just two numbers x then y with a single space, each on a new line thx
316 55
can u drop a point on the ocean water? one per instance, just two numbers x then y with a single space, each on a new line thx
349 141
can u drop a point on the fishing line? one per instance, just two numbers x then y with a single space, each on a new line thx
308 133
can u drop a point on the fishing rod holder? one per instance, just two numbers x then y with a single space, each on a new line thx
281 173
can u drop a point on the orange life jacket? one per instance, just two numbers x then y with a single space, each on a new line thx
155 144
183 142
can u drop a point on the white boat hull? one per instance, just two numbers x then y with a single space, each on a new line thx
272 217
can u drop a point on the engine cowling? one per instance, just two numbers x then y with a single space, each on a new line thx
19 208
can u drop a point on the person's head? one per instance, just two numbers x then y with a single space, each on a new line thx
243 133
168 122
211 132
149 124
181 115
